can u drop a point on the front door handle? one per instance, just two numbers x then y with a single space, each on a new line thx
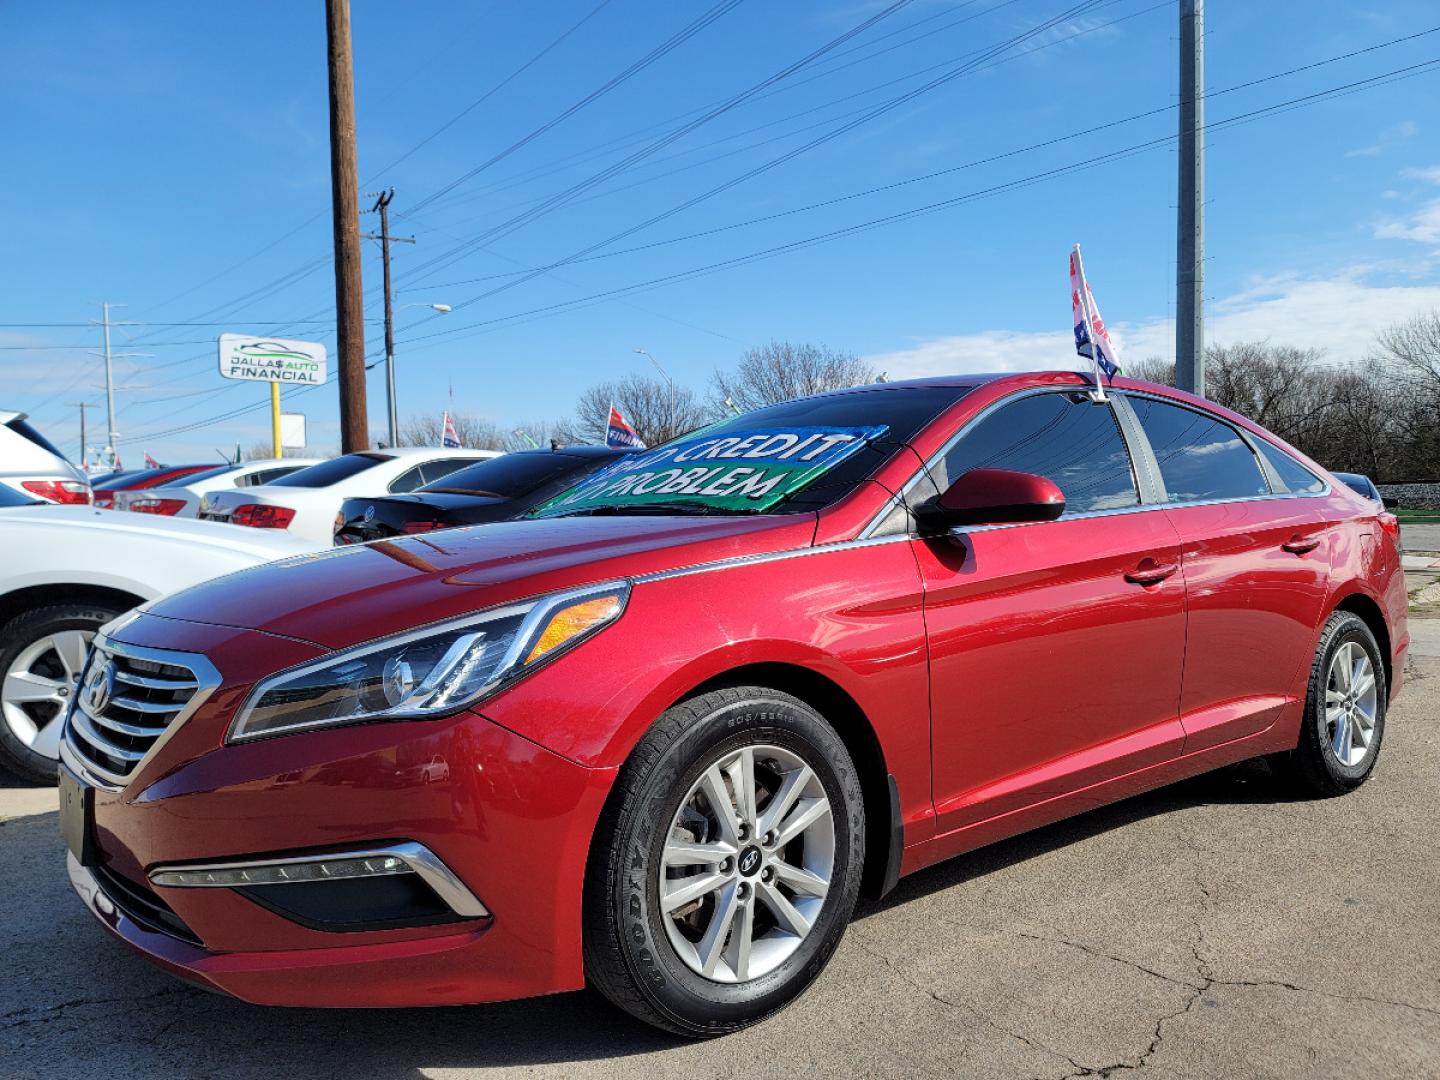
1299 545
1151 574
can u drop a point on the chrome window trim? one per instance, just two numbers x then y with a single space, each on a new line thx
929 463
207 680
774 556
419 858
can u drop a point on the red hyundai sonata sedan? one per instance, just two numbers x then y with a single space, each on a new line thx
658 739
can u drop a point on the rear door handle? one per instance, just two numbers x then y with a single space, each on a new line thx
1301 544
1152 574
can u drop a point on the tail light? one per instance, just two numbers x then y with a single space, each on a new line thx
1391 524
165 507
105 500
413 527
59 491
260 516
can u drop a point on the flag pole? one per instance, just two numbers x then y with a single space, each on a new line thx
1089 317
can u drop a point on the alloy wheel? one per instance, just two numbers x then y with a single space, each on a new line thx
747 863
38 686
1351 704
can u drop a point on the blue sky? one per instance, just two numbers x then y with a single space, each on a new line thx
174 158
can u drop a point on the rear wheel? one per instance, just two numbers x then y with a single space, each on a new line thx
1344 712
726 865
41 654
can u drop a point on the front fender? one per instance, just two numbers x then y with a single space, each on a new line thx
851 614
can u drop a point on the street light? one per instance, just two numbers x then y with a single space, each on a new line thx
390 407
658 368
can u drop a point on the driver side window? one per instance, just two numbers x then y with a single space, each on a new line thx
1065 437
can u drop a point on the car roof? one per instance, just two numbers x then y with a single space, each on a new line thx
403 452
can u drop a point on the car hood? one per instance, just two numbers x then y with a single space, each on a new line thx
347 595
113 524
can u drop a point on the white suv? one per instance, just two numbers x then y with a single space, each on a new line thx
31 466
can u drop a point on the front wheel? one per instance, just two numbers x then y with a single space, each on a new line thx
41 654
726 865
1344 717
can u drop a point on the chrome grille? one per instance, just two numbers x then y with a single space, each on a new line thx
129 700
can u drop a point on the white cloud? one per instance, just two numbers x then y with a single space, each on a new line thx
1430 175
1422 226
1405 129
1341 316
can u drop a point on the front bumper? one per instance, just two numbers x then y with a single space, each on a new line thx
510 820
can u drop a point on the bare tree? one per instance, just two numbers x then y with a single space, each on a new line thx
1152 369
657 410
782 371
476 433
1412 350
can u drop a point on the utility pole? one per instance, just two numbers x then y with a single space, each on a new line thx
111 435
82 406
382 204
1190 218
345 199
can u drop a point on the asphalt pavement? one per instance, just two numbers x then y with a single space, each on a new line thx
1215 928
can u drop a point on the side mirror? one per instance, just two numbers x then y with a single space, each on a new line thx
991 497
1390 502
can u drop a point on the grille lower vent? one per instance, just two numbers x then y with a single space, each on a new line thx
128 699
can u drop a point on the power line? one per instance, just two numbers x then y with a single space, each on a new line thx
668 45
869 115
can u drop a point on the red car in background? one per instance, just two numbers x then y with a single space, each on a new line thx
715 691
142 478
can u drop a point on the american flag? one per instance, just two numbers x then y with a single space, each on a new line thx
1092 339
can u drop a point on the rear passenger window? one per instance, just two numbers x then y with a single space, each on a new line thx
1068 438
1200 457
1296 478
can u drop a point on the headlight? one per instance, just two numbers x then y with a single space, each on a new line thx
426 673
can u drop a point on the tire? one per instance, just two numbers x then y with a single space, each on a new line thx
1324 763
30 726
652 964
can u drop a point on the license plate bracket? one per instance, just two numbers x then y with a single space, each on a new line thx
77 816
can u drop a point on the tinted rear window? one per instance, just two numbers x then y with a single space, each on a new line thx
127 480
511 476
25 430
331 472
10 497
1200 457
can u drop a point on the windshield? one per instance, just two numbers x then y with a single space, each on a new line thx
511 475
796 456
330 472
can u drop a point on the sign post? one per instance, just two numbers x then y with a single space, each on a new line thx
276 361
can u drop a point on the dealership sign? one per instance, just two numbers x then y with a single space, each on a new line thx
736 470
299 363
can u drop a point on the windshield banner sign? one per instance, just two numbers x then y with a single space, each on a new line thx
738 470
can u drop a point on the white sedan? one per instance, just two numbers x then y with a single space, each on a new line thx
305 503
67 571
182 498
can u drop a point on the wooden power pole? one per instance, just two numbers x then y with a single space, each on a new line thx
382 205
345 199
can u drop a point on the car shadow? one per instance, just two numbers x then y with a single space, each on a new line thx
124 1016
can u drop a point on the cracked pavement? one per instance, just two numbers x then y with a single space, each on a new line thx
1215 928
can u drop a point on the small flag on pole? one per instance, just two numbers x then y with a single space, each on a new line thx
619 433
449 439
150 462
1092 339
